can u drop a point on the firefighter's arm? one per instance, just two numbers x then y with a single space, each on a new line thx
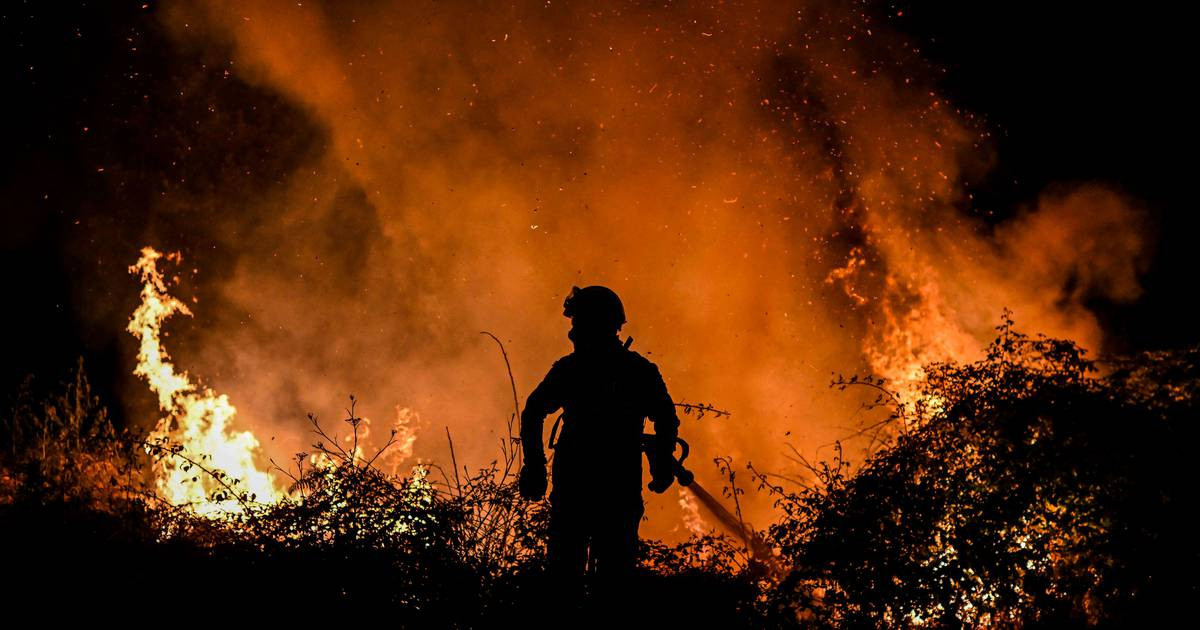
543 401
661 412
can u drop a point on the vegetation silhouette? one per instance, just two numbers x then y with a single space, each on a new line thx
1021 490
1035 487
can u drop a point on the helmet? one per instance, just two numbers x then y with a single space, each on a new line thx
595 306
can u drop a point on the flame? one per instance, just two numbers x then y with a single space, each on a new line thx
691 513
788 198
214 471
404 434
361 450
915 327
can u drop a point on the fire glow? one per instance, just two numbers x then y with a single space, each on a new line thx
196 419
776 189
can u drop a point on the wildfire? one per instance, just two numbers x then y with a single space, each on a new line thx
212 467
915 327
786 199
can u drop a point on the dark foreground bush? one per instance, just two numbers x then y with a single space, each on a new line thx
83 532
1025 491
1033 488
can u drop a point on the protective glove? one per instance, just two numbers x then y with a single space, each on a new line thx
659 485
662 472
532 481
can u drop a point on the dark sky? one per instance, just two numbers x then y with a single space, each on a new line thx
1082 91
1072 92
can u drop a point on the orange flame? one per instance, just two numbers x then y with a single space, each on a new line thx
197 419
710 163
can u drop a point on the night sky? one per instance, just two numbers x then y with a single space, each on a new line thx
106 112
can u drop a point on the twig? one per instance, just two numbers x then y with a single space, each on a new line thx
800 459
388 444
507 366
354 427
779 476
511 453
217 475
341 452
454 463
281 469
701 409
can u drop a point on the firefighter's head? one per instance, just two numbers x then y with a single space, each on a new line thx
595 311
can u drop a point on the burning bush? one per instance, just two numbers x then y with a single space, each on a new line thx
85 522
194 494
66 449
1034 487
1032 493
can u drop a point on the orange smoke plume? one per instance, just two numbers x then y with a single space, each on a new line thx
777 190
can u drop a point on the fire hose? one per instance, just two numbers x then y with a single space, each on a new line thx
682 475
687 479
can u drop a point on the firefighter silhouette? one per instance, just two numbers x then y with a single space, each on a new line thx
606 392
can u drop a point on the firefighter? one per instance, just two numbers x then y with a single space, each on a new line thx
606 392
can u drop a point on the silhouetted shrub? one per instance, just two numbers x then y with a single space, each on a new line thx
1027 490
1035 487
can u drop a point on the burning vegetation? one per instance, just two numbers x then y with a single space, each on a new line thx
1032 487
782 193
201 453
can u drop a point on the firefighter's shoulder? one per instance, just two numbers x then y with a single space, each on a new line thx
641 362
564 363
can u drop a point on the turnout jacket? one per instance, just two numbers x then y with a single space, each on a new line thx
606 394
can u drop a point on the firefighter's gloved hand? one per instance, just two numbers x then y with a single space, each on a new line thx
532 482
662 471
659 485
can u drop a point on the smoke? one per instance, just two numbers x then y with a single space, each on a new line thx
776 191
